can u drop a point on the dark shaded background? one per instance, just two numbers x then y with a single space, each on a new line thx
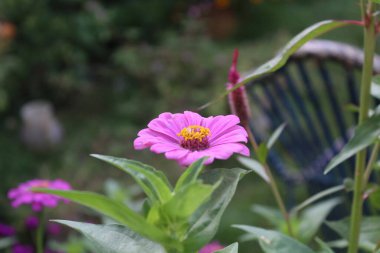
108 67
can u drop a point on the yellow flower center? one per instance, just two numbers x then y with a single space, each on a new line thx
194 132
195 138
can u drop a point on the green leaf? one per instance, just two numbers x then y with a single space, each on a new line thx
276 134
233 248
318 196
375 86
7 242
114 238
154 183
205 222
369 231
374 198
262 153
275 242
255 166
280 59
113 209
324 248
191 174
272 215
365 135
188 199
375 1
312 218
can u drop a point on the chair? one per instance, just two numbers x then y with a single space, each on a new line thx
311 94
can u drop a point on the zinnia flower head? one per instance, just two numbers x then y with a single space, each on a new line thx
23 194
238 99
187 137
211 247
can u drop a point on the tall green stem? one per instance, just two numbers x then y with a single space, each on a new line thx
273 185
357 204
40 233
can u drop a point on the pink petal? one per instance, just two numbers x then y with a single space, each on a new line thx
221 123
176 154
193 118
234 134
196 155
163 127
225 151
163 147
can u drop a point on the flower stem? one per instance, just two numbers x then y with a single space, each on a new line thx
372 160
357 203
273 184
40 233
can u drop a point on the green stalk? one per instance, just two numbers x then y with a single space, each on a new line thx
357 204
372 160
40 233
273 185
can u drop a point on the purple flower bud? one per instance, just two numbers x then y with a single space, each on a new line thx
53 229
32 222
238 100
6 230
22 248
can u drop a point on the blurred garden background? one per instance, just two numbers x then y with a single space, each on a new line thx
105 68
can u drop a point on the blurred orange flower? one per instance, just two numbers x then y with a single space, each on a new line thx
7 30
222 4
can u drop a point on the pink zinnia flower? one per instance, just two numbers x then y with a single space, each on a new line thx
211 247
24 195
187 137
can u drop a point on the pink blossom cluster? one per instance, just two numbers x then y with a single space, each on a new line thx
23 194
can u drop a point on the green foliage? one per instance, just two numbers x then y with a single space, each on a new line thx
205 222
365 135
191 174
275 242
153 182
185 219
6 242
306 223
375 87
275 135
255 166
324 248
233 248
113 209
369 231
114 238
311 219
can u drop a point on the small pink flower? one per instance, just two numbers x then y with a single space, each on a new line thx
187 137
23 195
211 247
